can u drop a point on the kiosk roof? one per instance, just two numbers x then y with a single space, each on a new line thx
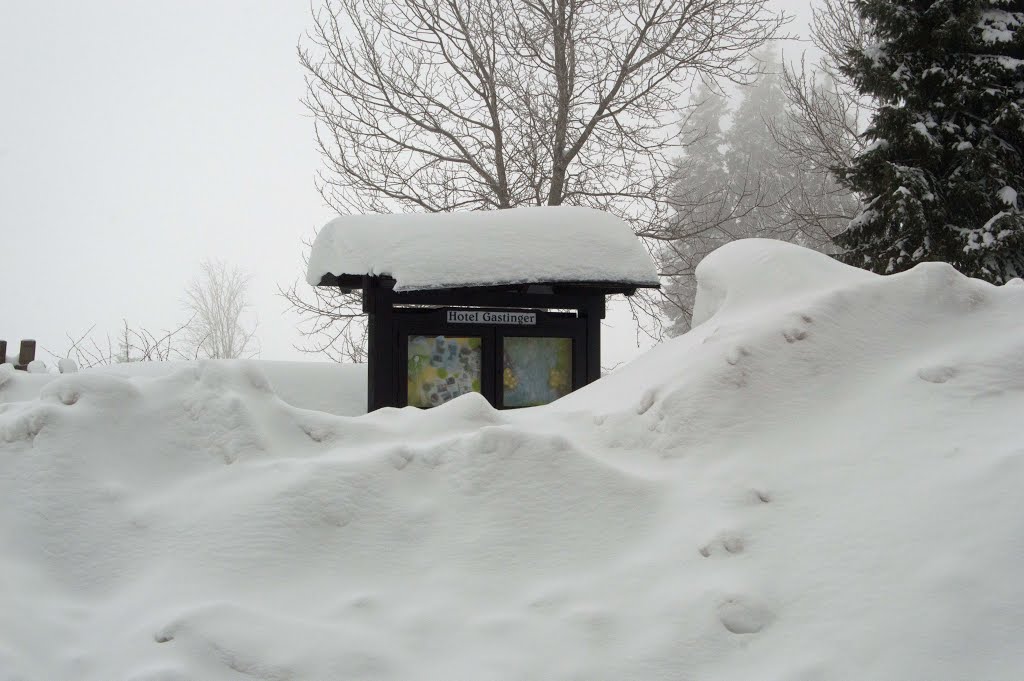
547 244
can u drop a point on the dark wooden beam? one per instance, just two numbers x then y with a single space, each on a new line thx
353 282
347 282
480 298
594 313
382 375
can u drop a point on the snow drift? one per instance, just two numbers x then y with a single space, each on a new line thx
819 481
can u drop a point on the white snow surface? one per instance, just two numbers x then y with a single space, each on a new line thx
67 366
36 366
1008 195
481 248
821 481
338 389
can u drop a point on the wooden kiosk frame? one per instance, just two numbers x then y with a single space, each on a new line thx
557 310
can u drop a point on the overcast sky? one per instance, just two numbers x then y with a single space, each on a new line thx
136 139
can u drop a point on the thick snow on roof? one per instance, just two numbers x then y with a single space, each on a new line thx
820 481
482 248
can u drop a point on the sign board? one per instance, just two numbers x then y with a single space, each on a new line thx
509 317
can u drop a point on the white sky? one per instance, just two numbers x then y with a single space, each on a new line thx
136 139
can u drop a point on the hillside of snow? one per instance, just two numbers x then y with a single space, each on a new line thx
820 481
338 389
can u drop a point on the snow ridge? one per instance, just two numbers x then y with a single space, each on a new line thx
830 462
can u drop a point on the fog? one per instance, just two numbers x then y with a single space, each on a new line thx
139 139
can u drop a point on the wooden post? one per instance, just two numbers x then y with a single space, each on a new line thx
26 355
382 345
3 351
371 342
594 313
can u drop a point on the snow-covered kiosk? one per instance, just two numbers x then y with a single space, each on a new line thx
505 303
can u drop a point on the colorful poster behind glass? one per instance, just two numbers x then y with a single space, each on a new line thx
536 370
441 368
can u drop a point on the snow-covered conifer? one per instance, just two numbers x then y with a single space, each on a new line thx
754 156
941 173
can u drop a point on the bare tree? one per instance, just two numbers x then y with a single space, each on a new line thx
216 329
820 133
217 300
331 322
441 105
131 344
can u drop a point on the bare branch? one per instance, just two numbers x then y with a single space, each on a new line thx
218 303
441 105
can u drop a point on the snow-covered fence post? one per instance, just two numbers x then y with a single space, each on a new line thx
26 354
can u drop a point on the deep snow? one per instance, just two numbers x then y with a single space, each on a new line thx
338 389
820 481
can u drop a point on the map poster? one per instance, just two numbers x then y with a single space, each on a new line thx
441 368
536 371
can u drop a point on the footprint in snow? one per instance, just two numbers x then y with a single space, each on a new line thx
730 543
734 355
400 458
797 332
163 636
936 374
741 616
646 402
793 335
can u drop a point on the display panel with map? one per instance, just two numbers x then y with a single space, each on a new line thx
441 368
536 370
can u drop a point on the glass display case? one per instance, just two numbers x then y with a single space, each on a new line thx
441 368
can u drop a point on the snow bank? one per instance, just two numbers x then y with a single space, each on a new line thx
754 274
820 481
338 389
482 248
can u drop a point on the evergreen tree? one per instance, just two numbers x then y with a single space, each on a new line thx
758 179
698 191
941 174
736 181
702 133
702 171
